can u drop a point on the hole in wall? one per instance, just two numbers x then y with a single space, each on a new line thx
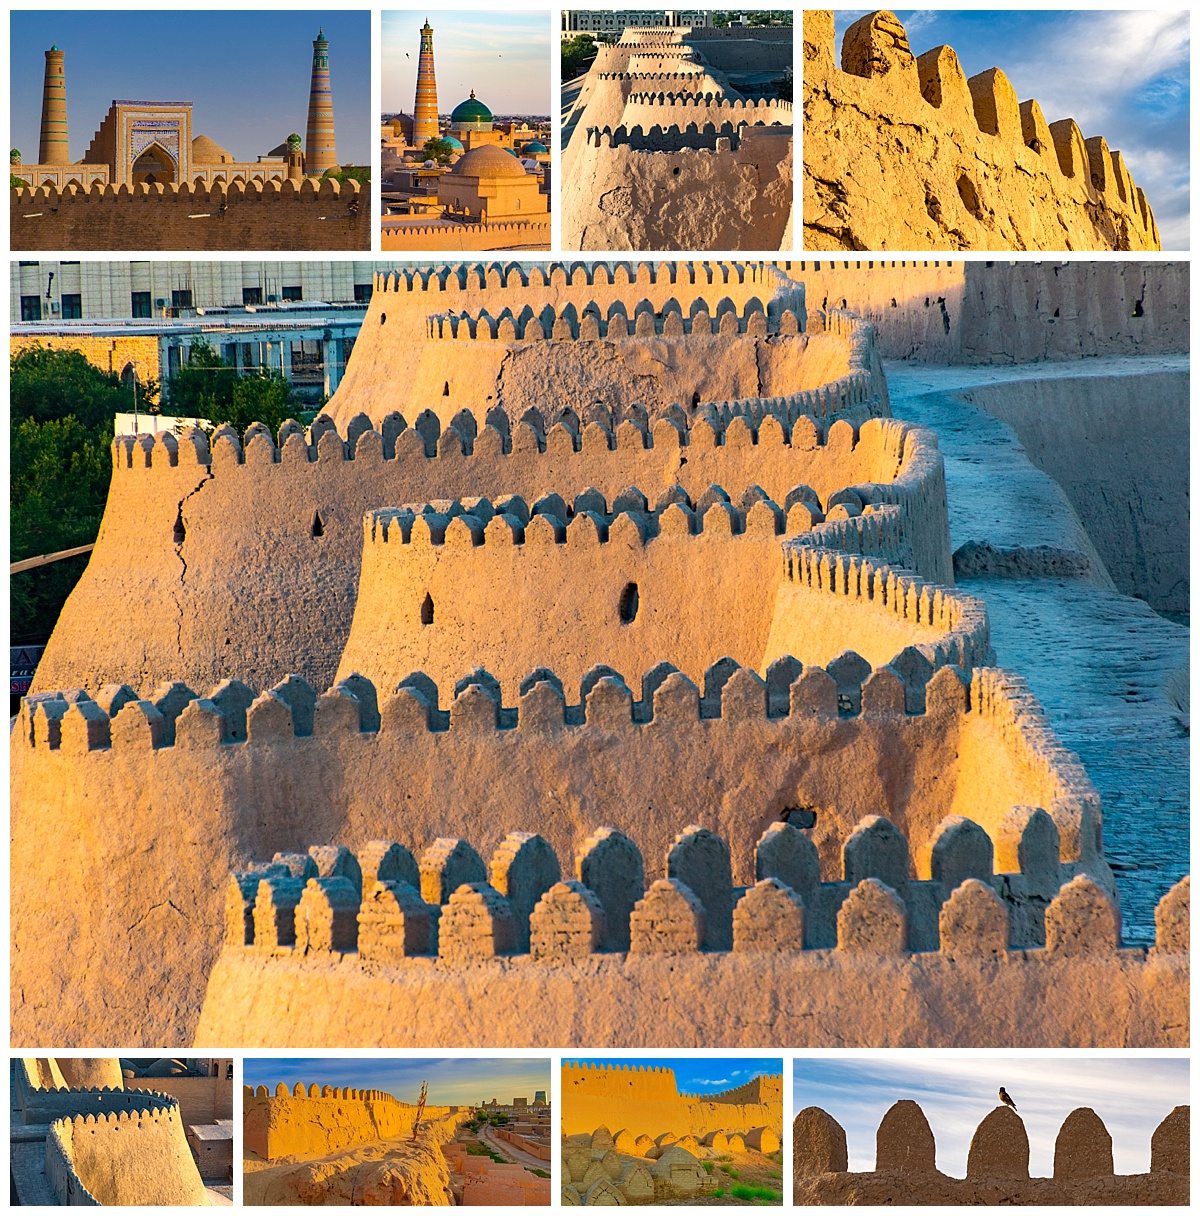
799 816
1138 310
627 608
675 171
968 194
318 524
446 389
695 400
382 318
180 532
427 609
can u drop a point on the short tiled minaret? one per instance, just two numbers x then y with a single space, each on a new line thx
425 110
52 149
321 147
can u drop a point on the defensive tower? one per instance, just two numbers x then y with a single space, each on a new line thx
425 110
321 148
52 149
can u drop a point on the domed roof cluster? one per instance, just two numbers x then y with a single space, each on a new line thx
489 163
207 152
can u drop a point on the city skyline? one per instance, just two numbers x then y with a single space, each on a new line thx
453 1081
503 57
1122 75
256 98
1131 1095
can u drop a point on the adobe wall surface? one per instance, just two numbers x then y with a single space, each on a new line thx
135 1157
396 366
277 791
820 999
315 1124
1010 312
649 1104
238 216
904 152
997 1167
733 191
1129 490
462 238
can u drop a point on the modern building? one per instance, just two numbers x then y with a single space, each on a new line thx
614 22
142 318
155 142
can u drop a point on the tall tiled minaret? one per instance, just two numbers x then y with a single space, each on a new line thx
320 151
425 111
53 147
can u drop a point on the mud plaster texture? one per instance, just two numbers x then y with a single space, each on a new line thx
663 152
904 152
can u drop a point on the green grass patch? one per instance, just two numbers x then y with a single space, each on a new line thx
756 1192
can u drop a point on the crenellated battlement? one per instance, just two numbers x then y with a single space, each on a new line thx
747 107
1029 184
289 923
997 1163
590 323
327 900
193 216
726 138
454 237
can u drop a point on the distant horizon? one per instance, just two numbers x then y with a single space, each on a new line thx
248 98
452 1081
503 56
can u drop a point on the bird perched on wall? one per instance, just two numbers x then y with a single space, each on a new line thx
1006 1099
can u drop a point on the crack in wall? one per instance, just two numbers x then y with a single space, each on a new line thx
154 908
208 476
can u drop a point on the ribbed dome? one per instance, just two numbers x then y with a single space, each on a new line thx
471 112
489 162
206 152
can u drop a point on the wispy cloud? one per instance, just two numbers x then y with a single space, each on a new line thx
1131 1095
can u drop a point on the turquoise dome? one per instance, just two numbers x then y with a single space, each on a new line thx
452 142
471 113
535 146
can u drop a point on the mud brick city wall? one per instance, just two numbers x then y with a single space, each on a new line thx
240 216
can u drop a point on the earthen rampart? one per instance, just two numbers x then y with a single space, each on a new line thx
642 571
214 508
234 215
974 168
464 238
1007 312
997 1166
276 768
313 1120
640 1102
130 1157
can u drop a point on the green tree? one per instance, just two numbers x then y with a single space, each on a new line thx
577 55
202 386
357 173
438 149
60 432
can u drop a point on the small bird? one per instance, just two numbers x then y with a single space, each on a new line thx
1006 1099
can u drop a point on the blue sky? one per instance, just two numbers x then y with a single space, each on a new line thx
695 1074
1131 1095
452 1082
246 73
1120 74
503 56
